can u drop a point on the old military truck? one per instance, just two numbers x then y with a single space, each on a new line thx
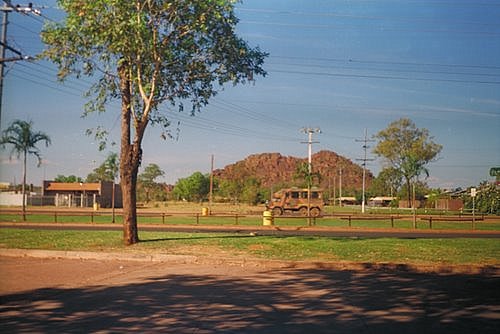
295 200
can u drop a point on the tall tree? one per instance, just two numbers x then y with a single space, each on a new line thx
147 179
407 149
148 52
24 139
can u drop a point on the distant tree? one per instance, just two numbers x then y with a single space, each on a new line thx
251 192
407 149
107 171
231 189
146 53
68 179
388 182
147 180
304 177
21 135
193 188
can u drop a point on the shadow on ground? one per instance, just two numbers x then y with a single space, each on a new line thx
272 301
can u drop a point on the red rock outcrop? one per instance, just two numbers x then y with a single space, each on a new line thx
272 169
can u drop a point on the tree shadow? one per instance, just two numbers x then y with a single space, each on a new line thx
271 301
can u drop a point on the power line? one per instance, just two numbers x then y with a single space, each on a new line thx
371 61
380 29
386 69
360 17
385 77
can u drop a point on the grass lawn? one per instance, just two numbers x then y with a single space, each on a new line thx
410 251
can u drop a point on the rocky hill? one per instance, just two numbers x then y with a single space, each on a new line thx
274 169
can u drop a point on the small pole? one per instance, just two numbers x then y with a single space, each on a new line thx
210 196
474 213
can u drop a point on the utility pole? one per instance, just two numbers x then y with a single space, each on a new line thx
365 146
340 186
6 9
309 132
210 197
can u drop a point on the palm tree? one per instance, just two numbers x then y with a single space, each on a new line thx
23 138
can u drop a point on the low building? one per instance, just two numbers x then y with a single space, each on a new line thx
381 201
83 194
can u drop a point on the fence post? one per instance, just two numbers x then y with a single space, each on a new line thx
55 216
163 217
91 216
349 220
392 221
197 218
430 222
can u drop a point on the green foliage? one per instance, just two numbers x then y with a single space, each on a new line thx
107 171
193 188
487 199
406 149
148 188
388 182
306 178
68 179
167 51
245 190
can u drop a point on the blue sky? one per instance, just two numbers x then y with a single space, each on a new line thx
342 66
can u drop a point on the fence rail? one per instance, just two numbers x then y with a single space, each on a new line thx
253 218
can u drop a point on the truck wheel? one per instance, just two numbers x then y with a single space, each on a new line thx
277 211
303 211
315 212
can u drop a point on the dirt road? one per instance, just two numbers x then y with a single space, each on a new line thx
91 296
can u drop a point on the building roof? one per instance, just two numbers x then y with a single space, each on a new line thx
382 198
63 186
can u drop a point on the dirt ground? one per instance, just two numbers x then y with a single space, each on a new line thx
43 295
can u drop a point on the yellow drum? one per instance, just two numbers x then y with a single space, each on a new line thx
267 218
204 211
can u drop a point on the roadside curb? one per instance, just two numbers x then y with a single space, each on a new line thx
442 269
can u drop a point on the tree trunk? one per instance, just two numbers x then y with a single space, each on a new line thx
129 163
128 186
408 192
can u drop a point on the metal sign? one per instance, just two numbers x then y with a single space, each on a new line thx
473 192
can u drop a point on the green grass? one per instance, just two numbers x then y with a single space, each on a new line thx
411 251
